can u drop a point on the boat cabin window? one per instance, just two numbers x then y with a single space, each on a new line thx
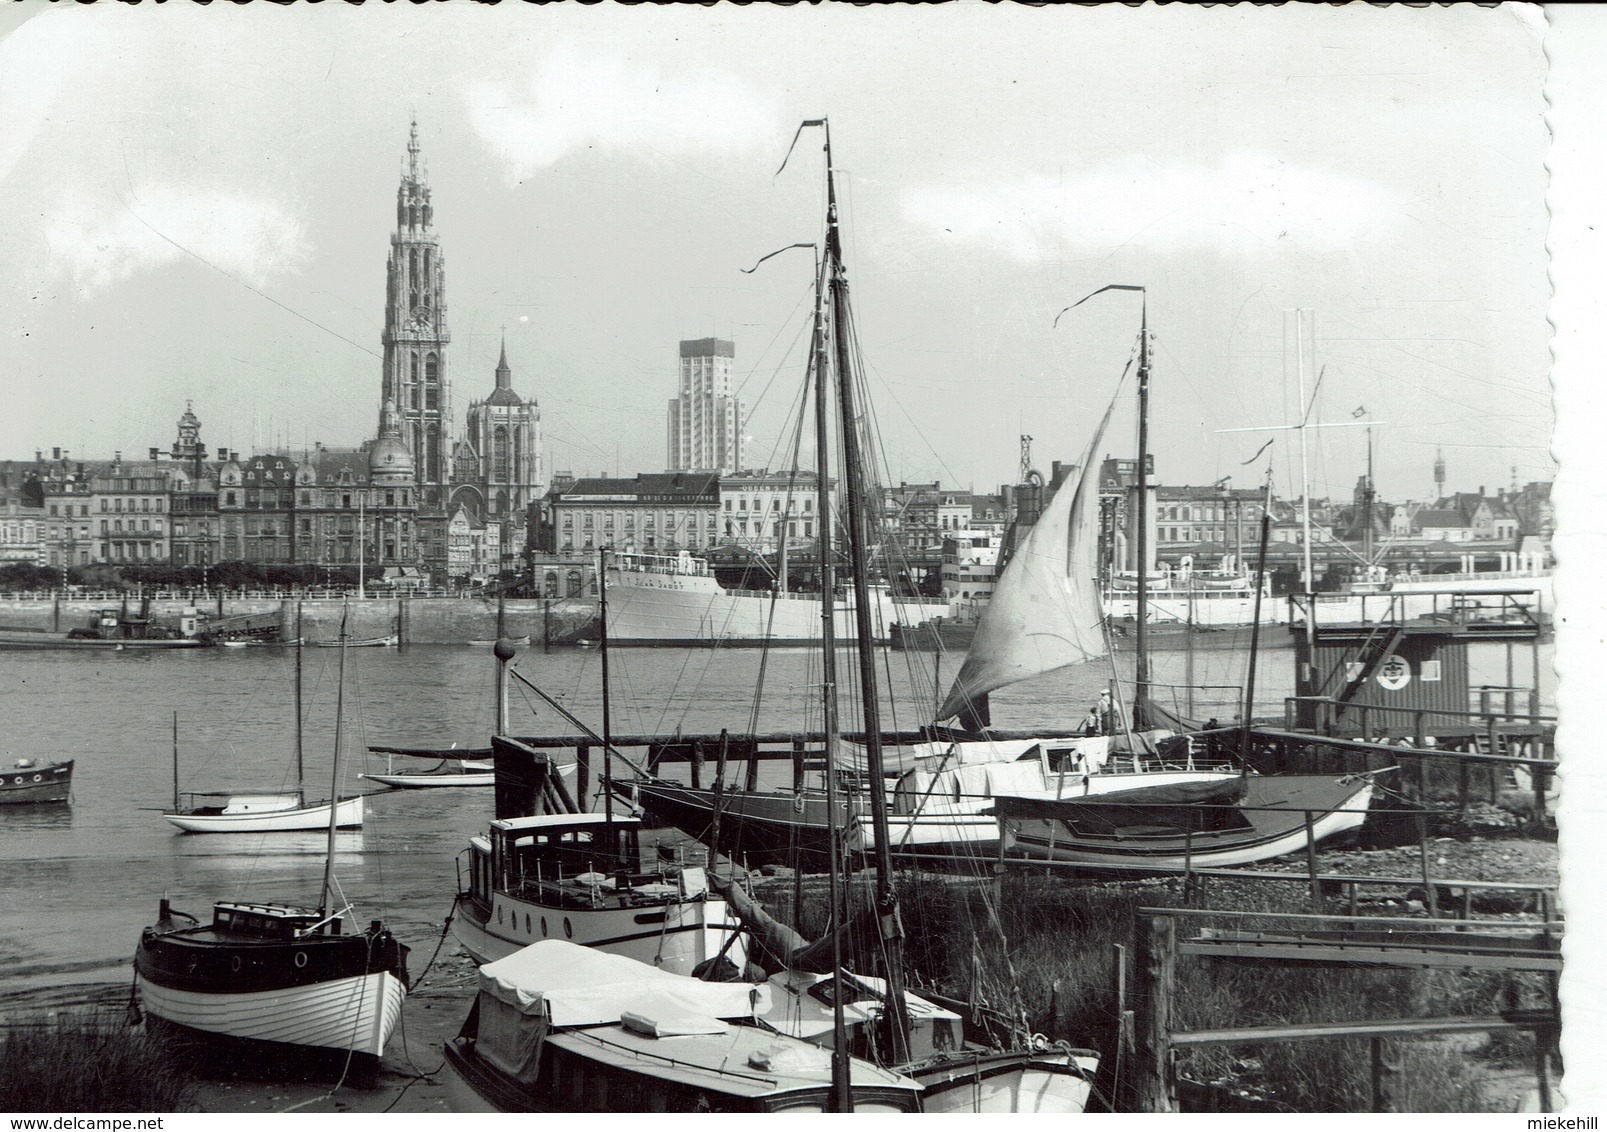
258 924
549 854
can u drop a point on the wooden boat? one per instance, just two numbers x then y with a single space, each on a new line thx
278 980
31 782
262 813
1166 830
223 811
561 1028
449 771
365 643
580 877
524 640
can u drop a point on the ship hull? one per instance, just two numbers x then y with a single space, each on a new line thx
36 785
348 816
674 937
655 610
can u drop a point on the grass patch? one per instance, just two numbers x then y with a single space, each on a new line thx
1046 954
88 1063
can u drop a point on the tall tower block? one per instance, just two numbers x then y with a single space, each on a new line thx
705 420
415 336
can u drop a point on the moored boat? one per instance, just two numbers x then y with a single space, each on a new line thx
561 1028
1167 830
281 980
31 782
580 877
261 813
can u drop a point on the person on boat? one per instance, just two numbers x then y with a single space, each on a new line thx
1102 718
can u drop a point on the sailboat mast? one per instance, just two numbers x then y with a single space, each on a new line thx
175 762
324 893
301 773
840 1072
1141 669
887 919
608 735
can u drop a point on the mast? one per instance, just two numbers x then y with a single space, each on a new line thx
324 893
1255 625
362 543
176 761
1141 669
889 928
301 773
608 736
840 1073
1141 542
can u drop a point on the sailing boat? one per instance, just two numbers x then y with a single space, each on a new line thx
1154 820
229 811
280 980
1020 1078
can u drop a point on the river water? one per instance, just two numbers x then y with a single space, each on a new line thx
78 883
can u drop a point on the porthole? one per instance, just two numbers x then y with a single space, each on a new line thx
499 913
301 959
19 780
234 963
527 923
569 931
38 778
543 927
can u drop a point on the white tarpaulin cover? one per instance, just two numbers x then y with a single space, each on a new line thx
577 986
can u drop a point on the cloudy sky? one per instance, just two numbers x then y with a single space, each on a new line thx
199 203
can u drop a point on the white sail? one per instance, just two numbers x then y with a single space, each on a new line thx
1045 612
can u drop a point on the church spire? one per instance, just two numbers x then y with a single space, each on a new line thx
504 374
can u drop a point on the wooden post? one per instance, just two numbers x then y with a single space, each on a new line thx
1383 1076
546 624
1542 1076
1419 734
1311 864
1461 785
583 778
1430 901
719 795
697 764
798 765
1154 1087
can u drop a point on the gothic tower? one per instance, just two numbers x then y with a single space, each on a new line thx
415 335
505 432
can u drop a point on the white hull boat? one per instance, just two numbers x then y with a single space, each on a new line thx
268 814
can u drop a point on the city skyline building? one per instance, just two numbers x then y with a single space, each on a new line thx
500 457
705 419
415 337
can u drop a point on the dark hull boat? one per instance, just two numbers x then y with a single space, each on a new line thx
31 782
275 980
756 827
1167 831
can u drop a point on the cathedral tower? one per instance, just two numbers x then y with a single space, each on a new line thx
415 335
505 434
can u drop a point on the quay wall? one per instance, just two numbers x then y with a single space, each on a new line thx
415 620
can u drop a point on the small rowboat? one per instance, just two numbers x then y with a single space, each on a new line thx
32 781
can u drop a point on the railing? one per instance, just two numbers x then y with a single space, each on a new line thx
1366 717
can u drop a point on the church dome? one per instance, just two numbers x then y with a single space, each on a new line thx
390 455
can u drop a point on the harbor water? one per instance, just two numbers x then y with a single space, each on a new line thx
79 882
